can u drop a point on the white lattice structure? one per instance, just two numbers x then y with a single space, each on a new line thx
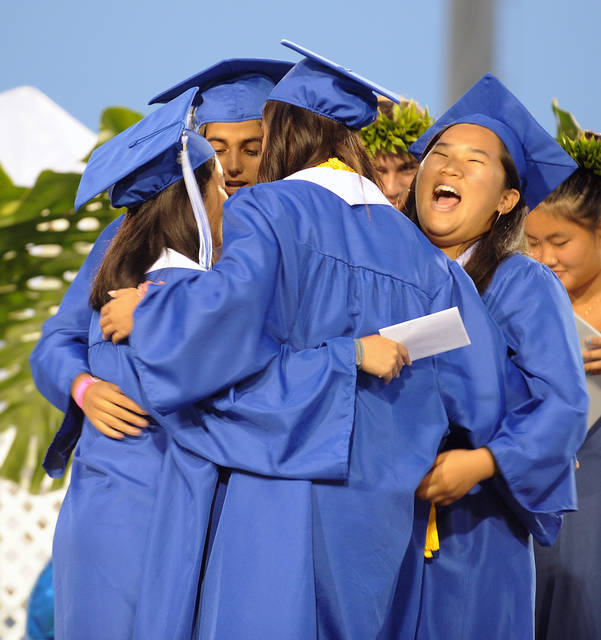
26 528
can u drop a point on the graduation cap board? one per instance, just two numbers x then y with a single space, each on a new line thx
233 90
329 89
148 157
541 163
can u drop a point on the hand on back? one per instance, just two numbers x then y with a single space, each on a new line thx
110 411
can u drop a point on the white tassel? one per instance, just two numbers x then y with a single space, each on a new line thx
205 254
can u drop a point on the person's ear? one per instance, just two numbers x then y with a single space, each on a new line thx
508 201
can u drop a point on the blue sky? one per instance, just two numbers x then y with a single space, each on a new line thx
87 55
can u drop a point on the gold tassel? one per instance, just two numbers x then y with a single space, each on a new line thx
432 541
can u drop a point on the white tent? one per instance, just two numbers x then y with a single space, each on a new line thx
37 134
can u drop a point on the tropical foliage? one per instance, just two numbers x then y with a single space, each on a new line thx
396 134
583 146
43 242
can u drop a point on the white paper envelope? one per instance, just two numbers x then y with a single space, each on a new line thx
593 383
429 335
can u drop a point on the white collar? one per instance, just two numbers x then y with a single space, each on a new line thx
351 187
466 255
170 259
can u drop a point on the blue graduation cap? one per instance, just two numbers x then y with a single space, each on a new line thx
328 89
233 90
141 161
147 158
541 163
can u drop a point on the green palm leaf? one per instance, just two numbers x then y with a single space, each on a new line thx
43 242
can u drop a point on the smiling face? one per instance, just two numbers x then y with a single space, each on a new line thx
571 250
461 187
396 172
238 148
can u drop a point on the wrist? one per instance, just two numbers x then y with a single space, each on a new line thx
359 353
487 466
80 386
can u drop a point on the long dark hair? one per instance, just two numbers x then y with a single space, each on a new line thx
578 198
505 236
165 221
298 139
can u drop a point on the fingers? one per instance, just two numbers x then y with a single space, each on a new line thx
404 354
591 354
106 430
115 424
106 402
119 413
119 293
594 368
118 336
123 401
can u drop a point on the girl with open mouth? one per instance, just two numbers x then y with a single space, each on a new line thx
485 163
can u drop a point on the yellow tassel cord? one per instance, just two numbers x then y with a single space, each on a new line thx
334 163
432 541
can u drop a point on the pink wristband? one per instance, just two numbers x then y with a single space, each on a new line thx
80 388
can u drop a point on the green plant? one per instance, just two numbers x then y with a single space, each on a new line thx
43 242
583 146
396 134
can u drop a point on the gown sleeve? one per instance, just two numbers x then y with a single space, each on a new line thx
545 425
196 337
292 420
62 353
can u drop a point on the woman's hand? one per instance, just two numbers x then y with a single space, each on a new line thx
110 411
454 473
117 316
383 357
592 355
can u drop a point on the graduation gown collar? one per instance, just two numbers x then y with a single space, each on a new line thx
466 255
170 259
351 187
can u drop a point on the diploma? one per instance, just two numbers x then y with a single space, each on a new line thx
429 335
593 383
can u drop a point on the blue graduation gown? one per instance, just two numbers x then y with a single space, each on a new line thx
157 489
481 584
305 261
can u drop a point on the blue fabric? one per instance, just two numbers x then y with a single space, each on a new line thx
236 101
328 89
568 579
232 90
158 488
304 560
541 163
288 558
141 161
481 584
40 608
